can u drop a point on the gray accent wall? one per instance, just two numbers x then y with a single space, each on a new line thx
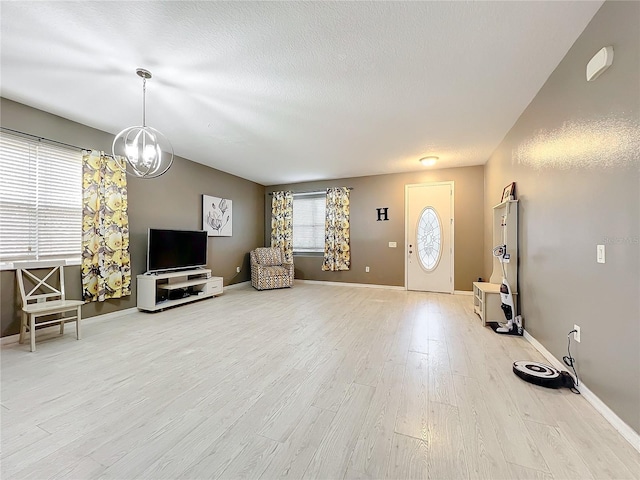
574 154
370 238
172 201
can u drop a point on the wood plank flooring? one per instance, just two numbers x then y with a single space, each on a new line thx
313 382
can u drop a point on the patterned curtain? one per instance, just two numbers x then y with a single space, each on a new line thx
337 255
282 223
106 267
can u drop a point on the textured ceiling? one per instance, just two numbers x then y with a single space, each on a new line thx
282 92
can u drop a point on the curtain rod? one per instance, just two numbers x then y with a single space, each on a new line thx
311 192
37 137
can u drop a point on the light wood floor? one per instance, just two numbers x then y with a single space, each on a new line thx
316 382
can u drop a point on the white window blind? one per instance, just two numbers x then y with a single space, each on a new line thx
40 201
308 223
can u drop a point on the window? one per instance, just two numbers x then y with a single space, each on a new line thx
40 201
429 239
308 222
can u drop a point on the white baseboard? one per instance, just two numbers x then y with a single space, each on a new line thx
105 316
629 434
370 285
545 353
236 285
13 338
347 284
117 313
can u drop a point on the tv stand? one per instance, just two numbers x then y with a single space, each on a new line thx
164 290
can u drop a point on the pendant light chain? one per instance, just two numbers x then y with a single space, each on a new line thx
144 101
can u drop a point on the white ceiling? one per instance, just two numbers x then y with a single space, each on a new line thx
283 92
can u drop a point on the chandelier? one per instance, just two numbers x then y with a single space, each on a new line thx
142 151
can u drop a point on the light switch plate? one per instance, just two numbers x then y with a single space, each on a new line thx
600 254
393 244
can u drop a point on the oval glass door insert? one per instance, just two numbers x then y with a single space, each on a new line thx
429 239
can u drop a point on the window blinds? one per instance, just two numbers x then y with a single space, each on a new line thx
308 223
40 200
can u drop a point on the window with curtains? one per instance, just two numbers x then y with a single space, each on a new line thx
40 201
308 223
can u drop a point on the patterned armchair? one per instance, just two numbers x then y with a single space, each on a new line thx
268 270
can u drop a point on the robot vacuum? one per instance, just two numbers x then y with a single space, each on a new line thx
542 374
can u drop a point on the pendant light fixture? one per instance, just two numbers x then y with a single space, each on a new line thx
143 151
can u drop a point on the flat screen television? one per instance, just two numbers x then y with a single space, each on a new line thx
176 249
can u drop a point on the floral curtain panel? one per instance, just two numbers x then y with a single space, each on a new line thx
106 268
337 255
282 223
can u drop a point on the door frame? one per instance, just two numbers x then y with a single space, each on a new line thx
406 229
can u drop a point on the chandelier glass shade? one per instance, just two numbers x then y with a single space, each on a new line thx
142 151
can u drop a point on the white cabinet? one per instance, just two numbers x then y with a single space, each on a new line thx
486 302
164 290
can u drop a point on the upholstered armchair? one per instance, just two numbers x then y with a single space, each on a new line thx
268 269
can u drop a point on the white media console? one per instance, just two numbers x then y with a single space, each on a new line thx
164 290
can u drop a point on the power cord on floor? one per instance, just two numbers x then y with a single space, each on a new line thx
570 362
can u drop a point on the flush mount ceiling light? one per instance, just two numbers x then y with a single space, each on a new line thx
428 161
143 151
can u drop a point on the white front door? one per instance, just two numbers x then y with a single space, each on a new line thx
429 237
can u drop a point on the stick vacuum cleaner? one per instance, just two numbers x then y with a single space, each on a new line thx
513 325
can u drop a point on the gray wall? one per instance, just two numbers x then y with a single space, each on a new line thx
370 238
574 155
171 201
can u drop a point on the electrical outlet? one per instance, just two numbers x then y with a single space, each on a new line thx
393 244
366 269
600 253
576 334
237 269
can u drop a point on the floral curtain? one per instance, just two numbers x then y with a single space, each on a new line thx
106 267
282 223
337 255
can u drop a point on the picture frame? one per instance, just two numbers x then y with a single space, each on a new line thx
509 192
217 216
